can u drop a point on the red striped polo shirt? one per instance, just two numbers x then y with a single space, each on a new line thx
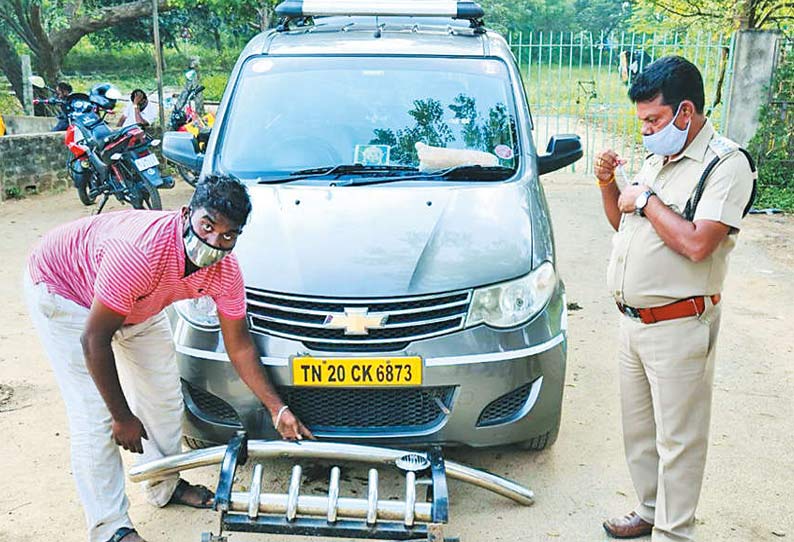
133 262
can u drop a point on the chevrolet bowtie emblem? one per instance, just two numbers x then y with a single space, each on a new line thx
355 321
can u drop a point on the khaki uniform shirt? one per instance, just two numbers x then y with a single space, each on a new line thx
643 271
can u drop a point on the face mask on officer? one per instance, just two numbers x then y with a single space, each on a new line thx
669 140
199 251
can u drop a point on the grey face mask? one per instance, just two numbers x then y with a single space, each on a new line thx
198 251
669 140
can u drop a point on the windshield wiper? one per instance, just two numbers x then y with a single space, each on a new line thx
463 173
339 170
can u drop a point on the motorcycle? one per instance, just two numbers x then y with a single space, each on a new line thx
185 118
109 162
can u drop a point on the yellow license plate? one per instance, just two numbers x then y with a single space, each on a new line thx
352 372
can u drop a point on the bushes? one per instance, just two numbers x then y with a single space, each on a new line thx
214 84
132 66
773 143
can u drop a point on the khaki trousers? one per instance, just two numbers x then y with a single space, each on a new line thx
146 364
666 377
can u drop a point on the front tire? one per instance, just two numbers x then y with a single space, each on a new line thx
144 195
81 177
82 193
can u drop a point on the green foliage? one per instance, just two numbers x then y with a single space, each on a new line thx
9 105
555 15
719 16
132 66
214 85
773 143
14 192
138 58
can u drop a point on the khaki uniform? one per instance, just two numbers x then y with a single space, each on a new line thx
667 368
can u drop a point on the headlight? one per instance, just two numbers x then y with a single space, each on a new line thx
201 312
512 303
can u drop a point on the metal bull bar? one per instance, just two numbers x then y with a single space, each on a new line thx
331 515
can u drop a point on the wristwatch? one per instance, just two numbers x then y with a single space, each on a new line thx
642 201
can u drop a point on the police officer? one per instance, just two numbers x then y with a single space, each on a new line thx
666 273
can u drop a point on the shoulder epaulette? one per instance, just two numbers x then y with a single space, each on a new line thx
722 146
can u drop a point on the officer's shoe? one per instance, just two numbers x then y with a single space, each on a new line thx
629 526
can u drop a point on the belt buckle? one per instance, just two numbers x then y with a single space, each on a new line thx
695 306
631 312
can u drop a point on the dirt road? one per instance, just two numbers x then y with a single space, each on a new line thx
748 493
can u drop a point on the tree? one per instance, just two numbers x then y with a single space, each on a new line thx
599 16
719 15
50 30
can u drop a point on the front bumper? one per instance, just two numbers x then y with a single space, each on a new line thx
482 387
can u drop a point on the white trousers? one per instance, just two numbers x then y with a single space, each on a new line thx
666 377
146 363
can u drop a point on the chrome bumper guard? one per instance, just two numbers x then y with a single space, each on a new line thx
332 515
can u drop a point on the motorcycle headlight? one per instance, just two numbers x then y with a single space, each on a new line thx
514 302
201 312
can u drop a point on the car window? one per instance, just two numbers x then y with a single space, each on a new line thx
294 113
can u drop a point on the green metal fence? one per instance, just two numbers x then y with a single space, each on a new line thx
577 82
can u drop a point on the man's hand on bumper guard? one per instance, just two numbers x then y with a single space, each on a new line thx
289 426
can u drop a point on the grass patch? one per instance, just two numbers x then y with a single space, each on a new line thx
133 67
574 85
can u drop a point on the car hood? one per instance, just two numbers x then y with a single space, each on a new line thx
385 240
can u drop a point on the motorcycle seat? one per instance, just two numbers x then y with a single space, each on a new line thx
114 136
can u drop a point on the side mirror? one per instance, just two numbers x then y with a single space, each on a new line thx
37 81
562 150
180 147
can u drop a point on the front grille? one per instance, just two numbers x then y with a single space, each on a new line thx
362 347
368 410
404 319
505 407
209 406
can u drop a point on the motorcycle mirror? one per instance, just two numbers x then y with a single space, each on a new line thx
115 156
154 142
37 81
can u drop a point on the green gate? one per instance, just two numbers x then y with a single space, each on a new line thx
577 83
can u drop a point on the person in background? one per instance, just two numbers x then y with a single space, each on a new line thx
62 91
138 111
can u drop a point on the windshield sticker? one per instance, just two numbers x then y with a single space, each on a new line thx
372 155
503 151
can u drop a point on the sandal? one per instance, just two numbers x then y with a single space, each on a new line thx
207 497
121 533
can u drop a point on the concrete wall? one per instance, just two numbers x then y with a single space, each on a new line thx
32 163
23 124
753 64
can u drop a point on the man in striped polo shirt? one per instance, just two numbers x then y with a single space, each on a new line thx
96 289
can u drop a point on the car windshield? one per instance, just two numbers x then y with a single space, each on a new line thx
290 114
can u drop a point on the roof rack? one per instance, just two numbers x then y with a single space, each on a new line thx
302 10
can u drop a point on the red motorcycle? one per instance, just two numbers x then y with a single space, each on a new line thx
109 162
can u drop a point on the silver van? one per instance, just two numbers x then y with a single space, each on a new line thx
399 261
